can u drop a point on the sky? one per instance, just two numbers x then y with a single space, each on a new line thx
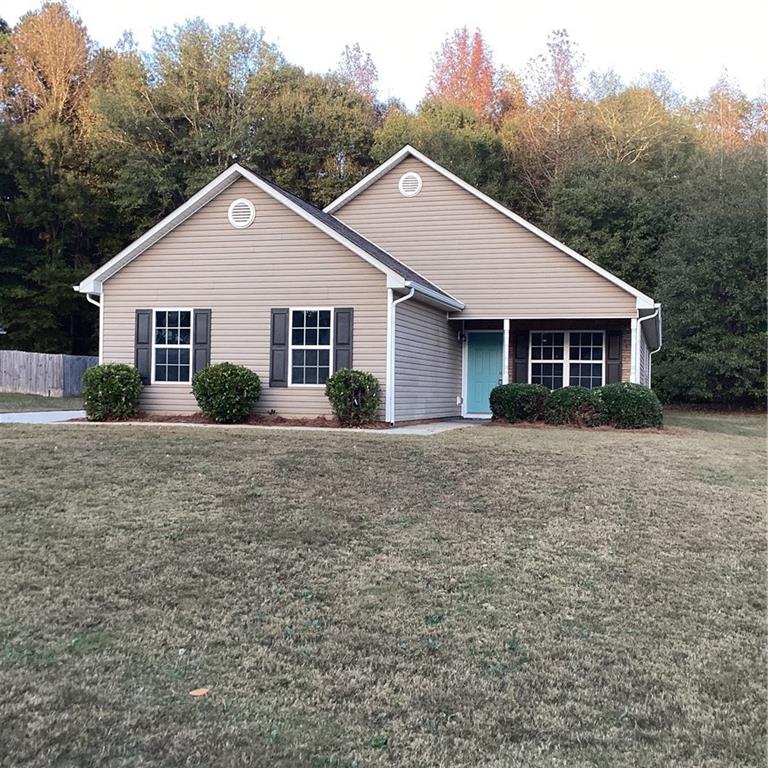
692 40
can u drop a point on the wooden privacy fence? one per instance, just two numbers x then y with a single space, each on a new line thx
34 373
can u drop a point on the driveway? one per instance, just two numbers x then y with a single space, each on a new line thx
40 417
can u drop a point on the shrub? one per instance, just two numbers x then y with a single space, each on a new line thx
574 405
630 406
111 392
354 396
226 392
518 402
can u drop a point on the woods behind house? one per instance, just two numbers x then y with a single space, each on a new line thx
97 144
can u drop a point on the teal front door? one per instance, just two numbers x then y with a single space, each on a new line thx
484 363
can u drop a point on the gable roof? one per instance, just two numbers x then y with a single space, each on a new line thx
408 151
398 274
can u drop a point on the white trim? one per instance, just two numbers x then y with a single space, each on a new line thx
101 329
251 213
100 305
642 299
641 337
566 361
465 370
389 407
505 353
401 184
93 283
291 345
154 345
390 359
633 347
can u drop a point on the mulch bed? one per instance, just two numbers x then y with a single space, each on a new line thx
254 421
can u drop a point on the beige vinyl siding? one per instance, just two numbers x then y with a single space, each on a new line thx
281 260
427 363
494 265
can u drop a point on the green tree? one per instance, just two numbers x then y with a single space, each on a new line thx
712 284
454 137
310 133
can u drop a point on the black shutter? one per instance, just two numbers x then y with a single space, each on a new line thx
342 339
142 357
201 340
613 357
278 356
520 369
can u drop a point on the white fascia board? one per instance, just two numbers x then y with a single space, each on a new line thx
442 300
272 192
366 181
92 283
643 301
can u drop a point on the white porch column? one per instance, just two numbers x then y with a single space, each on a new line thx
633 377
505 354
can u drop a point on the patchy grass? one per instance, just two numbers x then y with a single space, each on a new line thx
13 402
483 597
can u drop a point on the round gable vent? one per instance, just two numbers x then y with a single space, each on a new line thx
241 213
409 184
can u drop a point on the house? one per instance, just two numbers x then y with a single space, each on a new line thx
412 274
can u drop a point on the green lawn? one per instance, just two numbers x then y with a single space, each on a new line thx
486 597
11 402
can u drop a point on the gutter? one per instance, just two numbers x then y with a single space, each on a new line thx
91 300
640 321
443 299
389 407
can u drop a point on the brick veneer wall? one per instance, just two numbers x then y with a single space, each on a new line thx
575 325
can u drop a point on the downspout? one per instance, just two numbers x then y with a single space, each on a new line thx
390 407
639 336
100 305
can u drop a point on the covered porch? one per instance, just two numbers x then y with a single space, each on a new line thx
552 352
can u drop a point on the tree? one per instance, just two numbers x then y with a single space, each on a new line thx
553 131
464 75
728 119
46 67
454 137
712 284
356 68
310 133
629 125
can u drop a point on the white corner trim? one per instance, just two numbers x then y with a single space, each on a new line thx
643 301
392 302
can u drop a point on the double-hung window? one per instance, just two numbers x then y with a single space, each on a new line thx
173 345
567 358
311 344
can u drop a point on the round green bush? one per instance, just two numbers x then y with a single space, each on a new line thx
111 392
226 392
518 402
630 406
578 406
354 396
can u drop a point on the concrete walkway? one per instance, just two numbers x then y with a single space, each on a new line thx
40 417
52 417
